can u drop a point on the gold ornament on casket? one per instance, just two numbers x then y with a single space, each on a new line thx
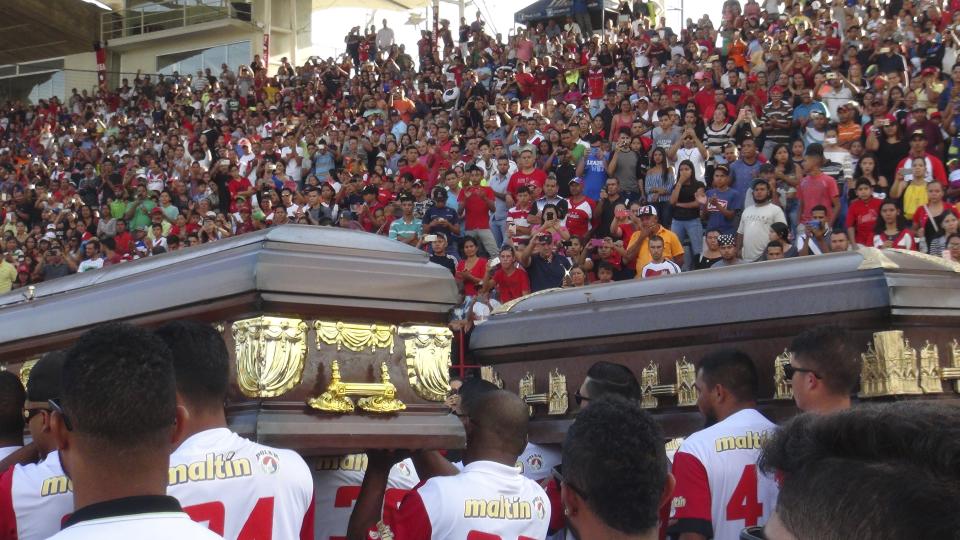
684 389
488 374
355 337
25 370
378 397
782 388
427 355
270 355
556 398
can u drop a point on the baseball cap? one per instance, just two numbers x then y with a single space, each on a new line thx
727 240
372 190
158 210
918 134
647 210
576 180
723 168
45 381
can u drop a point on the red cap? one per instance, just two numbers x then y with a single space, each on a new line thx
929 71
752 78
776 89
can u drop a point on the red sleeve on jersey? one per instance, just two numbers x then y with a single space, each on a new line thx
557 520
8 519
411 521
306 529
691 498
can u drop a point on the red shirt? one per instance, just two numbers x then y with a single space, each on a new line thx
521 178
478 270
863 217
511 286
817 190
579 216
595 83
474 201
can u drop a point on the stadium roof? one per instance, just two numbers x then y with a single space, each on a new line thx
35 30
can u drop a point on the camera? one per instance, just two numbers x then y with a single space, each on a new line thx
549 216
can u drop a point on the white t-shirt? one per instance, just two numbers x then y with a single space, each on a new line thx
755 227
654 269
35 499
695 157
147 526
717 477
486 500
336 482
238 487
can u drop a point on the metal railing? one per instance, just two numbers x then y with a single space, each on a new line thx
154 17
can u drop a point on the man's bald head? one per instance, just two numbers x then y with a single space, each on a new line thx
500 420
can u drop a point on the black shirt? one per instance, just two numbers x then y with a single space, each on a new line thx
546 275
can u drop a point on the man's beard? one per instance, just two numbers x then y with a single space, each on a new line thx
709 419
761 201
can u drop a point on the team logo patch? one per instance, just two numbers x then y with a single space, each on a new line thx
269 461
539 507
403 468
535 461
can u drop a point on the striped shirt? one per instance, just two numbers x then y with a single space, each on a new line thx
657 180
776 112
716 139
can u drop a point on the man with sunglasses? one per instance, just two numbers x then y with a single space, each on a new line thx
823 370
622 501
36 497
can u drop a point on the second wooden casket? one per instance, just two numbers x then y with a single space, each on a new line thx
902 309
338 338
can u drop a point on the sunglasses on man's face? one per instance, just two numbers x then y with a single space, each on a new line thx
789 371
580 398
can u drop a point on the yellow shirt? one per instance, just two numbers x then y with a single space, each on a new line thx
671 247
8 274
913 197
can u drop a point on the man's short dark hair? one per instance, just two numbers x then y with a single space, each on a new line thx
732 368
623 489
605 265
12 396
819 207
118 387
897 466
605 378
654 238
471 390
827 351
774 244
201 361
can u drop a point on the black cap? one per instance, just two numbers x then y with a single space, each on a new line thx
369 190
45 378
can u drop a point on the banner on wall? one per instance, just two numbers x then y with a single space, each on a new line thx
101 65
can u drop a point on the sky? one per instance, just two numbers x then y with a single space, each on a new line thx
331 25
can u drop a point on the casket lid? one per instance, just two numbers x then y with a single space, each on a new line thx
890 282
288 269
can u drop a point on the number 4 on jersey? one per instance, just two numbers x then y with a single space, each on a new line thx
743 503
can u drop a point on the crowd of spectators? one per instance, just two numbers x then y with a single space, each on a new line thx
563 155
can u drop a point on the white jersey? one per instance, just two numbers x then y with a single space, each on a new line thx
146 526
486 500
241 489
655 269
35 499
336 483
718 484
537 461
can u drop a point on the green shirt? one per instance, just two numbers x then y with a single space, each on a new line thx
118 208
401 230
142 217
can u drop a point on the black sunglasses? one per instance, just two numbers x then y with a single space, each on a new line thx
789 370
579 398
752 533
557 474
55 405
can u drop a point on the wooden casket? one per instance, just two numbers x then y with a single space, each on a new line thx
902 309
339 339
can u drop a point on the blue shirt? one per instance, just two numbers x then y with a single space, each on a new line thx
716 220
446 213
742 175
594 174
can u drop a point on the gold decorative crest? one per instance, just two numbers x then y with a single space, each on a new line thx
25 370
379 397
684 389
270 355
782 388
355 337
556 398
889 366
952 373
930 381
427 355
488 374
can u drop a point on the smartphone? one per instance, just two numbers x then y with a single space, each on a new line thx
621 213
814 224
430 238
596 242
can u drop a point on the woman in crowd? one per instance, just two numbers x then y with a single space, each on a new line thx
928 220
685 200
471 269
892 230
